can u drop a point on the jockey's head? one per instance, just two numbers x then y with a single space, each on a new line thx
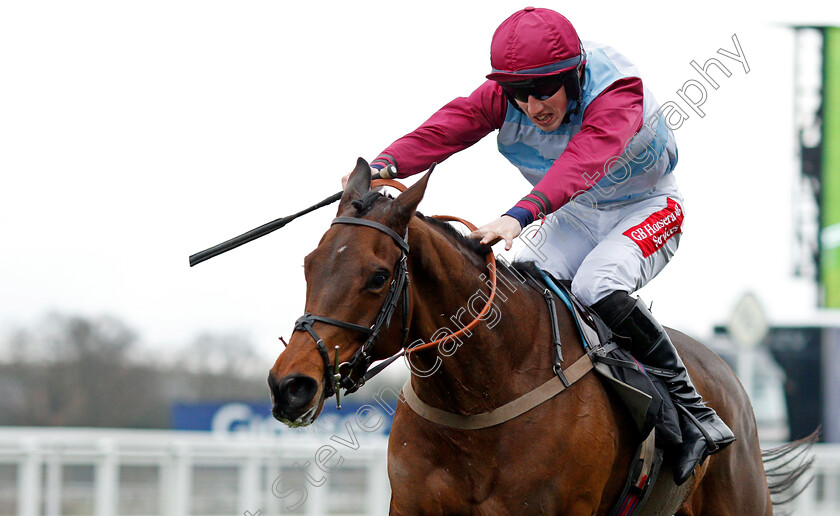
538 60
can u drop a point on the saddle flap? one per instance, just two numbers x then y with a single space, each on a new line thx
636 401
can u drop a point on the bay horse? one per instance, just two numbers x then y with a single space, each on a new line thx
570 455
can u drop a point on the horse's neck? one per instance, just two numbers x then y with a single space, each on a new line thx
506 353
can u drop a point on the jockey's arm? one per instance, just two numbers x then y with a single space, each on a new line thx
456 126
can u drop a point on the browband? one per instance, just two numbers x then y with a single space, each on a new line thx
400 241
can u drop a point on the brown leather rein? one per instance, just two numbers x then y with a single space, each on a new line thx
491 264
508 411
336 380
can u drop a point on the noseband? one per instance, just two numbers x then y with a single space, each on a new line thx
361 359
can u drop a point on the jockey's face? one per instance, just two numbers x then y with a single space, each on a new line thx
546 114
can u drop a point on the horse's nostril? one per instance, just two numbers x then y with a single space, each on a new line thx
295 391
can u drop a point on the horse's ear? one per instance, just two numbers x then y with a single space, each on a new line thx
358 184
407 201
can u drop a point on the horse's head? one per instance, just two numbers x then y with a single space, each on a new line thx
355 280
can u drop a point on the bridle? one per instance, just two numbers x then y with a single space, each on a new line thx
360 360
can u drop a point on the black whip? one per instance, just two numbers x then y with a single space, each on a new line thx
274 225
256 233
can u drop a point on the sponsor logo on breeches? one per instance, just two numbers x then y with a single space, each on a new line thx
652 233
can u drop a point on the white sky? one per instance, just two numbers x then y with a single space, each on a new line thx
133 134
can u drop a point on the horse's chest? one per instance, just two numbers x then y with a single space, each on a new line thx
522 467
455 467
467 476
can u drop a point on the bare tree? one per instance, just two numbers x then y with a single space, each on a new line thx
78 371
73 371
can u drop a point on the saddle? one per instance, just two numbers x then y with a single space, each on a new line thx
641 388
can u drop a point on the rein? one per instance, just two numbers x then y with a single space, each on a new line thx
398 290
491 264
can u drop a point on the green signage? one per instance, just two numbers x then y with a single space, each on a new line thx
830 203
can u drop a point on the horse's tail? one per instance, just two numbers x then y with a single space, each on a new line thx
786 465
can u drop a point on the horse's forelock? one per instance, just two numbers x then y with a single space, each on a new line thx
366 203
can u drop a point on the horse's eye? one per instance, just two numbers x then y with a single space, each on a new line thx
378 280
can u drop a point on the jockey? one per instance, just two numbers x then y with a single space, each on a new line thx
578 123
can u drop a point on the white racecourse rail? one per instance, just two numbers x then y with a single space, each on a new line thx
54 472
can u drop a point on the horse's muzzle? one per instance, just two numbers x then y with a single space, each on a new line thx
291 395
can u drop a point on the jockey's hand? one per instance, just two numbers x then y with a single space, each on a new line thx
504 228
344 179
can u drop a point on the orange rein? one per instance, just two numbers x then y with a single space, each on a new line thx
491 264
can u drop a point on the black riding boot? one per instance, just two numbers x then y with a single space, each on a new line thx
703 431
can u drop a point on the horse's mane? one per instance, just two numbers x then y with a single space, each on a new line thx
369 200
531 271
471 244
528 269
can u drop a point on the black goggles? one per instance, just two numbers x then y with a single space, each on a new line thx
540 89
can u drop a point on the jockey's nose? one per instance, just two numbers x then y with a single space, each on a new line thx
291 395
534 105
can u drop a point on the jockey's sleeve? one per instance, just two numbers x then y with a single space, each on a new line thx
609 122
453 128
